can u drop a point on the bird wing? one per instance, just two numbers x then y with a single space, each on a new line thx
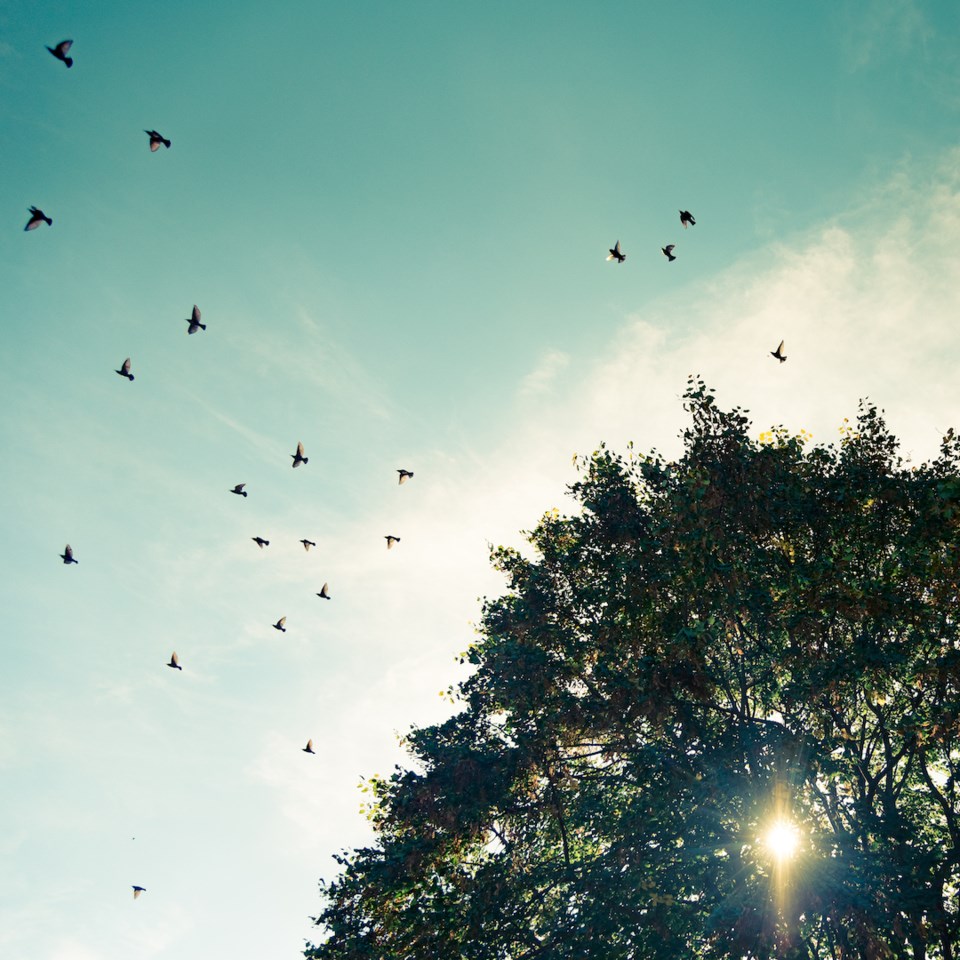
126 366
299 449
64 46
309 745
196 314
282 621
780 348
668 249
323 591
154 147
173 658
239 486
33 222
68 552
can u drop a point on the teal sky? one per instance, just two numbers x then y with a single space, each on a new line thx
394 217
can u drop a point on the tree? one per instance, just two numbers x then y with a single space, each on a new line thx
761 630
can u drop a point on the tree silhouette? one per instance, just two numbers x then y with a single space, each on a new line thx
761 631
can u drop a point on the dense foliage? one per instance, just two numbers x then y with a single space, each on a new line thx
761 629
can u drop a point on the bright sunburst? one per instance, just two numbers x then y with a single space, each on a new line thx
782 840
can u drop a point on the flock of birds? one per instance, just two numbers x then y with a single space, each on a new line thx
37 217
686 220
157 140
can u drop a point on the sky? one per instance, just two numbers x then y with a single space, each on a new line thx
394 219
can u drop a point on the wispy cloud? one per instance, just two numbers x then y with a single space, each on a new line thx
875 31
543 376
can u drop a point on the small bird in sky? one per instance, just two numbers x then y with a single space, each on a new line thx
307 544
156 139
239 491
779 354
260 542
138 890
124 370
615 253
194 321
61 50
36 218
67 555
298 457
405 475
667 251
174 661
309 747
391 540
279 625
686 218
324 592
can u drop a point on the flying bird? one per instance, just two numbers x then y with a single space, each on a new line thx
667 251
174 661
138 890
156 139
686 218
309 747
36 218
194 321
67 555
779 354
324 592
124 370
615 253
405 475
279 625
298 457
260 542
61 50
307 544
391 540
239 491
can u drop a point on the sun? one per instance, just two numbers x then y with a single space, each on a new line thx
782 840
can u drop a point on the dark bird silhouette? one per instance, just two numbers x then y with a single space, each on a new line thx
260 542
615 253
405 475
307 544
239 491
194 321
779 354
174 661
324 592
138 890
124 370
391 540
667 251
36 218
686 218
279 625
156 139
309 747
298 457
61 50
67 555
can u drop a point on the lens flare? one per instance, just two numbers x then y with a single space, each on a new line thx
782 840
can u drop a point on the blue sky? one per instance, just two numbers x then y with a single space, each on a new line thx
394 218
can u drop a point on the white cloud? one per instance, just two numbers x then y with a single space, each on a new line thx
542 377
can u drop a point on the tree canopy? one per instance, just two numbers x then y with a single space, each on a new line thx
761 631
